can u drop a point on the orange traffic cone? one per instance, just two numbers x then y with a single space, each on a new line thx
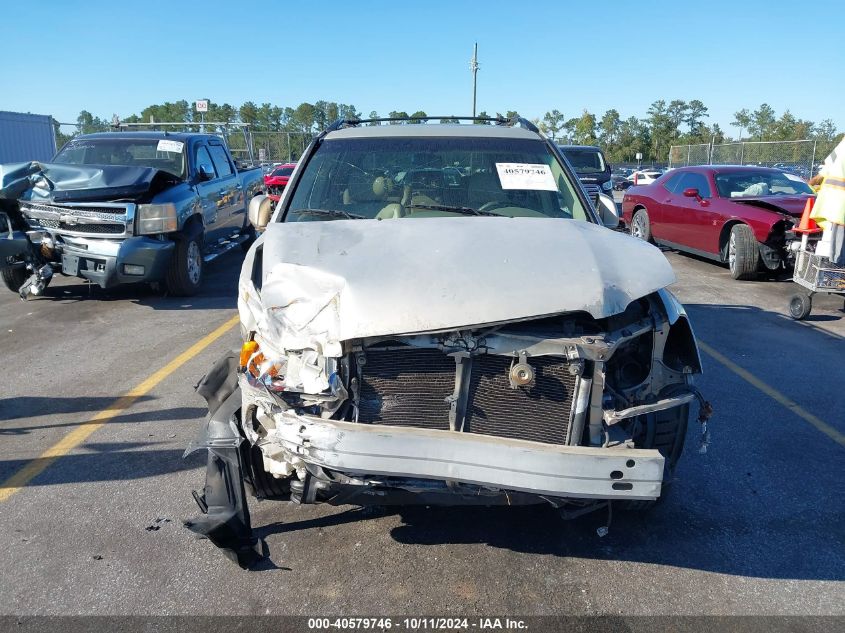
807 224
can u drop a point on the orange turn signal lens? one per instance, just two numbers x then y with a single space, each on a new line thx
248 350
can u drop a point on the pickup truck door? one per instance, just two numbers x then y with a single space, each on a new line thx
209 191
230 195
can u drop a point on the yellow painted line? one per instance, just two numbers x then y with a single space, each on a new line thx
774 394
73 439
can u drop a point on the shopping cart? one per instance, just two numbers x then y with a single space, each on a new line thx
816 274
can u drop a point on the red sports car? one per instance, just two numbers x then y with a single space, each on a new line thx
741 216
277 179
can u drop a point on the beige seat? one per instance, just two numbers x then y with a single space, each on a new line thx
365 195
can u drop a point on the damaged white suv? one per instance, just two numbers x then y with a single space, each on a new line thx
435 314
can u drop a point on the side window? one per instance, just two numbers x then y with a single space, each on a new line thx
695 181
221 161
203 159
672 183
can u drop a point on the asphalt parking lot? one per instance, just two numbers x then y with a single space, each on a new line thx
754 526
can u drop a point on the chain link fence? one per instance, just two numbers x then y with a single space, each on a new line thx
269 147
799 157
277 147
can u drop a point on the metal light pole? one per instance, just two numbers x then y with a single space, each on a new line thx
473 66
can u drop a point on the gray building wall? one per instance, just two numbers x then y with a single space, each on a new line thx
25 137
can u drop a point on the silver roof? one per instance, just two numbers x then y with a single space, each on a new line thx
432 130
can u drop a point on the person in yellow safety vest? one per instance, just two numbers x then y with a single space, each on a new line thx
829 208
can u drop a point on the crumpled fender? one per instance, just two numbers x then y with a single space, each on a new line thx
12 243
225 519
679 320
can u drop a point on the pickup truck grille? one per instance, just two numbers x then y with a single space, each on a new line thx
411 387
95 220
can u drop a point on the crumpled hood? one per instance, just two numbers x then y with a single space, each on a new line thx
790 205
68 183
331 281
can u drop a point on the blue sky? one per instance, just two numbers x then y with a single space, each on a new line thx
118 57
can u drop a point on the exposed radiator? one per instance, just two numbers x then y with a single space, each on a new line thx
410 387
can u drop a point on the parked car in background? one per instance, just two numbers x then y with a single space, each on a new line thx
277 180
591 166
621 182
644 176
127 207
738 215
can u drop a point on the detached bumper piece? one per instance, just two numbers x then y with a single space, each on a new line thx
225 517
225 520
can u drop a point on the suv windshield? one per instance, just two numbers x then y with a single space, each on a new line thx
752 184
585 161
433 177
164 154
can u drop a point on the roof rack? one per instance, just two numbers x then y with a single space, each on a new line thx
498 120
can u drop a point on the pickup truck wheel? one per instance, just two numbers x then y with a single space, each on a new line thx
14 278
743 253
641 226
184 277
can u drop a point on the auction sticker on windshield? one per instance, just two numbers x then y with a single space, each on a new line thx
526 176
169 146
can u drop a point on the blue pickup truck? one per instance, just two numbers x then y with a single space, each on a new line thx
124 207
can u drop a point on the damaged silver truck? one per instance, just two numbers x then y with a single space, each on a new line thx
435 314
125 207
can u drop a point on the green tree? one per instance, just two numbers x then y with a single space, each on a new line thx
249 113
742 120
373 115
451 119
394 114
87 123
553 123
418 116
482 114
676 111
609 128
661 129
694 118
585 129
762 122
826 130
304 117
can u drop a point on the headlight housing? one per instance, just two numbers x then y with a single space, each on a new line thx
607 186
157 218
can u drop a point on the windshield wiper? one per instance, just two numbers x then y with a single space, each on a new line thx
450 209
337 213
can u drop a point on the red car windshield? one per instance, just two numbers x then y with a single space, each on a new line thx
283 171
753 184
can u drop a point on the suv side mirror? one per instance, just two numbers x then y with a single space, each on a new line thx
692 192
260 211
607 211
205 172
